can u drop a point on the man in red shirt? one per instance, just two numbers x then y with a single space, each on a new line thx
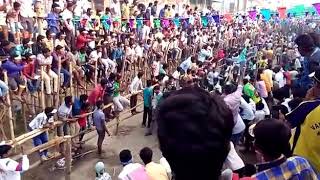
97 93
33 81
82 39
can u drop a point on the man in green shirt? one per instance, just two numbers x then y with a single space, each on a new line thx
250 91
119 101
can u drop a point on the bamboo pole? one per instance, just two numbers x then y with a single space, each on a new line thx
57 96
71 82
45 146
96 72
68 158
12 136
117 125
24 116
42 90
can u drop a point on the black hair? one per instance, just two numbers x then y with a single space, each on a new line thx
68 99
83 97
140 74
40 37
149 82
4 149
45 50
156 88
99 104
273 144
58 48
85 106
192 123
305 41
48 110
112 76
16 5
229 88
125 155
146 155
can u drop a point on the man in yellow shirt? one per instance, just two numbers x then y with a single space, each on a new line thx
266 79
155 171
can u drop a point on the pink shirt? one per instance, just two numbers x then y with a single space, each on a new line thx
261 89
95 94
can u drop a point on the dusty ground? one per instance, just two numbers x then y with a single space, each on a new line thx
131 136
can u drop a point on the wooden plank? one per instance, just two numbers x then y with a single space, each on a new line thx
68 158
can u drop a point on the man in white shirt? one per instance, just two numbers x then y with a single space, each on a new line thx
27 14
45 60
11 169
96 55
132 171
67 16
42 120
134 87
115 8
279 78
64 115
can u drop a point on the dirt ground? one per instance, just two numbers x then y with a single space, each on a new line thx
130 136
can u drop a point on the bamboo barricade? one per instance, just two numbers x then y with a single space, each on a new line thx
56 141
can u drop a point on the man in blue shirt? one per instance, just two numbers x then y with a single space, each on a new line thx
14 68
53 18
78 102
147 97
100 124
163 11
117 55
311 53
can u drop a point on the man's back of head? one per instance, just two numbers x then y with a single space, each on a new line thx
194 133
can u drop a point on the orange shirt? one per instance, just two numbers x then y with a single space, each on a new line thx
267 82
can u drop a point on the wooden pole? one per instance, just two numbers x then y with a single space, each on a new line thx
9 108
71 82
24 115
117 126
68 158
56 99
42 90
95 72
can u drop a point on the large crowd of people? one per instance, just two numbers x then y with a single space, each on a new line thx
211 89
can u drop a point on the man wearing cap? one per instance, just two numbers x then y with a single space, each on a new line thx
53 18
33 81
314 92
14 68
9 168
101 173
82 39
42 120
